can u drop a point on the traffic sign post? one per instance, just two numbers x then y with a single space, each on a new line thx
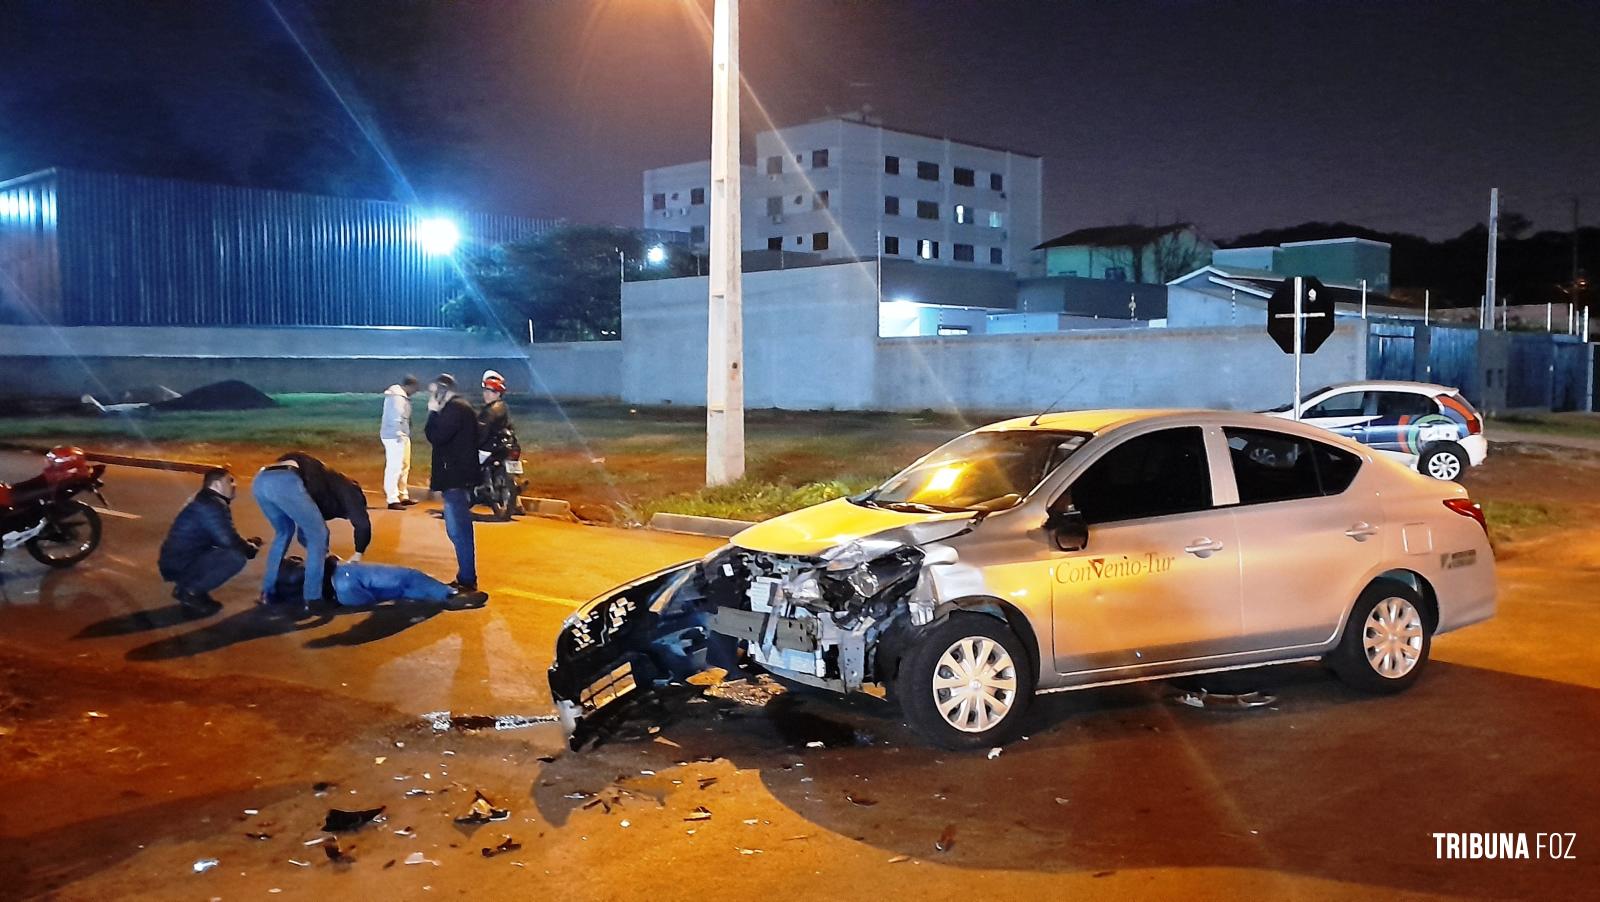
1300 319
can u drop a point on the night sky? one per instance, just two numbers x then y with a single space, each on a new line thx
1237 116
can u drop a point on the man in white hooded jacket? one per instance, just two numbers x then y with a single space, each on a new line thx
395 433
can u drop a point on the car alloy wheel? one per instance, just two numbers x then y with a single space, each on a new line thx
1393 637
974 684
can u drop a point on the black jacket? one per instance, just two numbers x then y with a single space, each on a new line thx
336 495
494 420
453 432
206 522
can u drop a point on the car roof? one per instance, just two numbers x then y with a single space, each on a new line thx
1097 422
1421 388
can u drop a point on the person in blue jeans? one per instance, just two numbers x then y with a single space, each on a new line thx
283 498
452 430
358 584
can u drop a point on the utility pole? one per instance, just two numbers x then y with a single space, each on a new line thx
1574 249
725 338
1427 299
1363 298
1487 320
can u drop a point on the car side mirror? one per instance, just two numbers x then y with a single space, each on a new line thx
1068 528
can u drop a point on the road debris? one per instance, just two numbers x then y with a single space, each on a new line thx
337 854
419 858
299 864
482 811
444 721
406 831
700 813
258 836
863 801
380 759
418 792
899 858
743 851
340 821
205 864
995 752
946 840
1061 801
1201 698
95 715
708 782
507 844
321 788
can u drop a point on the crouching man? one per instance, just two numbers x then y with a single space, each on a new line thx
203 550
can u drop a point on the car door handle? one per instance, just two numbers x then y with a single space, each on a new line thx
1203 547
1361 531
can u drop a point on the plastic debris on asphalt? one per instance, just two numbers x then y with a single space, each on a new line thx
205 864
482 811
336 853
1201 698
444 721
507 844
419 858
340 821
946 840
994 753
700 813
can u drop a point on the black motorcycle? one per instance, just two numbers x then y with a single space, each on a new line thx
44 515
500 485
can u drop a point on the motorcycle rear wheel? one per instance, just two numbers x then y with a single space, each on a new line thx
502 495
71 534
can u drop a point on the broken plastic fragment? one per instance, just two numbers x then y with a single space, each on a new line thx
419 858
946 839
321 788
95 714
414 793
252 812
700 813
339 821
707 782
899 858
380 759
482 811
507 844
994 753
336 854
299 864
204 864
406 831
748 851
260 836
1201 698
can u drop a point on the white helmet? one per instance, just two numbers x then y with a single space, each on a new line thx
493 381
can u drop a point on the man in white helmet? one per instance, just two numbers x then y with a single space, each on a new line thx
494 420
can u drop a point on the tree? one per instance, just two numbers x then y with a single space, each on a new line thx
1178 253
566 282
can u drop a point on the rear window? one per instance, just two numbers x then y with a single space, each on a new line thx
1405 404
1272 466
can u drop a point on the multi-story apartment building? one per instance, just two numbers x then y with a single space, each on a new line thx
846 187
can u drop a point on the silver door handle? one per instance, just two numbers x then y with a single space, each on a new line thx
1361 531
1203 547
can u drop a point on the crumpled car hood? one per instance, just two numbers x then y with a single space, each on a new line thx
813 530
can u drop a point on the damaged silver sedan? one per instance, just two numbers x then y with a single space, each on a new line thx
1061 552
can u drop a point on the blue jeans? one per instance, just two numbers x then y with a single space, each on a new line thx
458 526
358 584
282 497
209 570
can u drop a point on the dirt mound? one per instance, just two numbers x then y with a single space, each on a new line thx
227 395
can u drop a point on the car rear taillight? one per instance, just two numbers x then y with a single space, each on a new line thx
1466 507
1470 416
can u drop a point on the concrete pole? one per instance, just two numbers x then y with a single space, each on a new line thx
1489 272
1427 298
1363 298
725 340
1549 308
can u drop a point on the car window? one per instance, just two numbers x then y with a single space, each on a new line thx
1271 466
1404 404
1150 475
1345 404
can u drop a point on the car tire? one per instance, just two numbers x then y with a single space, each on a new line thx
1387 639
1446 460
984 711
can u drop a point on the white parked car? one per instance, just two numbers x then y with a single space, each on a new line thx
1059 552
1430 427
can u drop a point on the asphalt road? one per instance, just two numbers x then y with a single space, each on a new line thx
135 743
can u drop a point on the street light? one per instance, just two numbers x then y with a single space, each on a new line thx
438 236
656 255
725 336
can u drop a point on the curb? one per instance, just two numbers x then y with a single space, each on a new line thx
121 460
553 508
716 527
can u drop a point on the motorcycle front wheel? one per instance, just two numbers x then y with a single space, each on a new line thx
502 495
71 533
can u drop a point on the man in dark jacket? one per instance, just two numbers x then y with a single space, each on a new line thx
203 550
452 430
299 494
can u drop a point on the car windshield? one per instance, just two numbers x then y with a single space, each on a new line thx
1282 408
980 471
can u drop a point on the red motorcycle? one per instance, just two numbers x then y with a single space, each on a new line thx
44 515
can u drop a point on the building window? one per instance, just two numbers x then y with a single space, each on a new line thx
963 253
891 206
799 199
658 201
819 241
774 165
821 201
891 165
774 206
1115 274
928 172
927 209
996 220
997 182
928 250
775 244
697 234
798 159
799 240
964 176
891 245
697 196
819 159
965 213
996 257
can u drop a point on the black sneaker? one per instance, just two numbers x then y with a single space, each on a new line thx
464 600
407 502
196 602
460 586
396 506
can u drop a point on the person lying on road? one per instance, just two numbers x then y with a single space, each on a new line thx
356 584
203 550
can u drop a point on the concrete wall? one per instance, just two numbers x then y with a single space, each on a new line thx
1091 297
1219 368
104 361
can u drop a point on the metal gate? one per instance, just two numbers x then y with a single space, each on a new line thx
1391 351
1453 360
1528 371
1569 375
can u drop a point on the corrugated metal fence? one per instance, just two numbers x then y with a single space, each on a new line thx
1493 369
101 249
